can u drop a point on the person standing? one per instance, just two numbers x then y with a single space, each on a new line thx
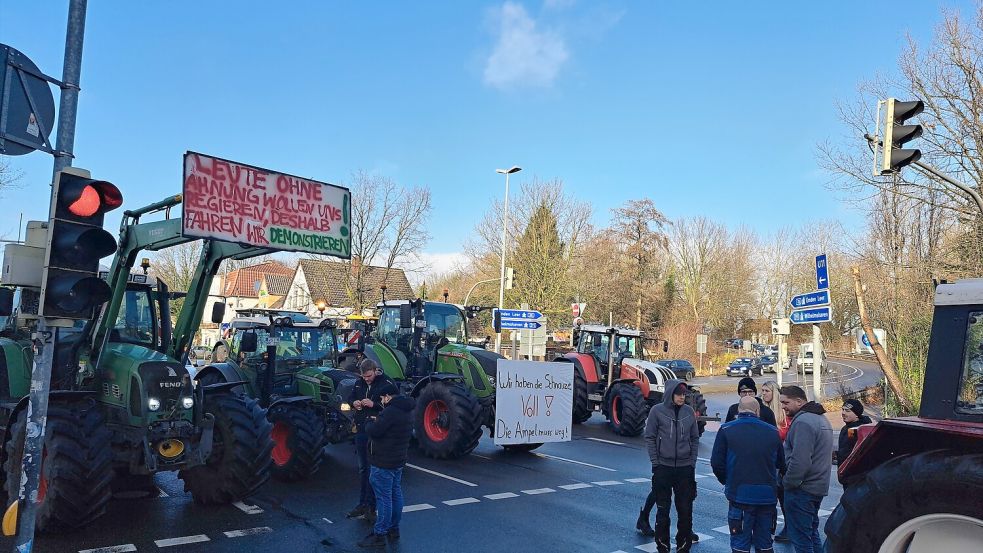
809 460
673 440
747 388
853 415
390 439
365 400
769 396
747 459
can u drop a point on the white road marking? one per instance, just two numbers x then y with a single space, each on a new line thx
723 529
170 542
824 513
545 456
162 493
506 495
648 547
704 537
417 507
249 532
578 486
481 456
248 509
111 549
538 491
608 483
326 520
637 480
442 475
462 501
605 441
702 475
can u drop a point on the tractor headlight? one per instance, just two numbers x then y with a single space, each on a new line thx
187 402
153 404
346 407
491 380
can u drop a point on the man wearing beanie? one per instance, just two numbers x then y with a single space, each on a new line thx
853 415
673 440
747 388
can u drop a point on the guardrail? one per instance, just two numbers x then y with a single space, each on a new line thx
851 355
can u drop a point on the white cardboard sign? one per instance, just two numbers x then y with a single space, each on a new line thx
533 402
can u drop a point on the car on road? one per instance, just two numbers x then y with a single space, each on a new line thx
769 363
744 366
679 367
805 363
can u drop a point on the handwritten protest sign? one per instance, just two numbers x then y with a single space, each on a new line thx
234 202
533 402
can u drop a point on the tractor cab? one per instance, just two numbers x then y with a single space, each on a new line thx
606 344
415 330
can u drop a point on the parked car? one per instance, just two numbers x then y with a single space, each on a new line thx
744 366
199 356
769 363
679 367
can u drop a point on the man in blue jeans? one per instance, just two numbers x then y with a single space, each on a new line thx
747 458
809 456
365 400
390 439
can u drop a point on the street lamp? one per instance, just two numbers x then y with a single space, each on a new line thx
505 225
321 306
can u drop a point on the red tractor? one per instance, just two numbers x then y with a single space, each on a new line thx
915 484
611 376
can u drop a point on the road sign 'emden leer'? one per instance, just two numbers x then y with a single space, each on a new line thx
234 202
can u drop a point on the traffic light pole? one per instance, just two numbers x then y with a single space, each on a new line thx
44 339
965 188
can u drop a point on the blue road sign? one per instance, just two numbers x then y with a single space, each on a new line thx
822 273
519 325
812 299
810 316
520 314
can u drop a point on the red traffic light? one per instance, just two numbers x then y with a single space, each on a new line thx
80 197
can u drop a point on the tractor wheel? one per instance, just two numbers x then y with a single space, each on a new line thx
520 448
911 503
447 420
76 466
696 400
581 403
240 460
298 441
627 410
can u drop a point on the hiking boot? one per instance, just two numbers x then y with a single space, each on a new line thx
358 512
661 546
642 525
694 537
684 546
393 534
782 537
373 540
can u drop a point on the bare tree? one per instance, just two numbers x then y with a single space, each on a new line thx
639 230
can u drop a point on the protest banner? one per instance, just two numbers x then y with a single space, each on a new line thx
533 402
240 203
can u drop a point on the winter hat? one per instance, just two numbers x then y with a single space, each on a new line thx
747 383
680 388
855 406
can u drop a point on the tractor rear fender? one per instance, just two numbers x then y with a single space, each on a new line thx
227 372
905 436
53 396
585 364
294 399
443 377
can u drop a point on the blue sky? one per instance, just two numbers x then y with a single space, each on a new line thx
712 108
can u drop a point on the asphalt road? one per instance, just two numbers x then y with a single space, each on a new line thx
579 496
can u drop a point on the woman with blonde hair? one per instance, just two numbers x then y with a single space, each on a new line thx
769 396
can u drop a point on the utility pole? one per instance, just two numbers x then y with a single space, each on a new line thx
817 367
44 339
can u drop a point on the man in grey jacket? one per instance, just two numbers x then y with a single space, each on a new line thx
809 456
673 440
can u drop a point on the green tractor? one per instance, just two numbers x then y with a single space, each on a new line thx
423 346
305 393
123 406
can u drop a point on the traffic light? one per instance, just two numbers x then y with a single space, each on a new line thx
70 283
509 278
896 133
497 320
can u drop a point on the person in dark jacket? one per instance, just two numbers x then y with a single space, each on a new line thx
853 415
673 440
809 461
747 388
365 400
390 434
747 459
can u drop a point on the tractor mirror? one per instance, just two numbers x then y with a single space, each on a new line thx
249 342
218 312
405 316
6 302
665 346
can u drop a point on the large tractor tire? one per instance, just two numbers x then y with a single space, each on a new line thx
241 452
581 403
77 466
937 493
627 409
298 441
696 400
447 420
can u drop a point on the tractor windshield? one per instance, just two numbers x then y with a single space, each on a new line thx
297 347
135 323
444 319
970 400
